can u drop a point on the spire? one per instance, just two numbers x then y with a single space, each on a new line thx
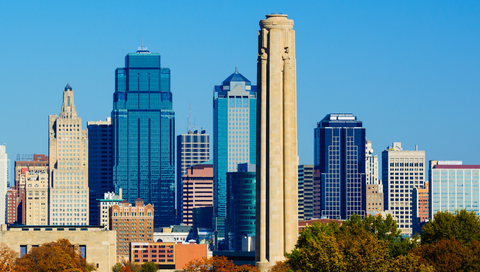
68 107
68 87
236 71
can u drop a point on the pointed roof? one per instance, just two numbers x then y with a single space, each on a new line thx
68 87
236 77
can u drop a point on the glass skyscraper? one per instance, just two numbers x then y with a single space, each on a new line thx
143 124
339 178
234 138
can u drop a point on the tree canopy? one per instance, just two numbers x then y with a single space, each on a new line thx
7 258
217 264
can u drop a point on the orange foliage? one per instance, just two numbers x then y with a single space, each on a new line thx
7 258
218 264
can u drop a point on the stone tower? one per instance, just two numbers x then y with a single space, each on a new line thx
277 160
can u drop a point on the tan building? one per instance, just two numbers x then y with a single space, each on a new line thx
374 185
98 246
374 198
197 190
68 161
36 199
133 224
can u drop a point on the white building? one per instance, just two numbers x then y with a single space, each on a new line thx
3 182
402 171
109 199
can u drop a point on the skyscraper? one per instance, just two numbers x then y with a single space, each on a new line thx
192 148
401 172
305 192
234 136
143 123
374 186
340 167
99 163
3 182
68 165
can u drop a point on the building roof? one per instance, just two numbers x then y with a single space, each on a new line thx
236 76
68 87
456 166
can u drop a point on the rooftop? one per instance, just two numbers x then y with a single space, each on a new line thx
236 76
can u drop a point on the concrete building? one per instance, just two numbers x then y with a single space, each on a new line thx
402 171
420 207
68 166
36 196
197 190
12 205
173 234
133 224
241 190
3 183
192 148
277 159
454 186
99 164
305 192
98 246
104 204
374 185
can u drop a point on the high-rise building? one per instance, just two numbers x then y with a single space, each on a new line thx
36 196
374 186
305 192
197 190
133 224
109 199
240 221
340 189
234 136
192 148
143 129
12 205
401 172
454 186
68 165
420 207
99 163
23 164
3 183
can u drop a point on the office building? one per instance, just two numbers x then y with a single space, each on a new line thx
241 187
305 192
340 182
99 164
420 207
192 148
374 185
104 204
68 165
197 190
454 186
234 136
3 183
133 224
12 205
143 129
36 196
401 172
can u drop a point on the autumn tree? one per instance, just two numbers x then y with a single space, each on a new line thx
217 264
55 256
280 267
7 258
149 267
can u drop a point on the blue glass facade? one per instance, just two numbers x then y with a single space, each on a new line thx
234 136
339 167
143 123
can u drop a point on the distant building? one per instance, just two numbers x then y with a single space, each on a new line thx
374 186
197 190
241 192
305 192
96 245
36 196
3 183
173 234
454 186
104 204
402 171
12 204
99 163
68 166
339 151
420 207
167 255
133 224
192 148
234 136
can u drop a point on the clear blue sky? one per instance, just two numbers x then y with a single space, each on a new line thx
410 70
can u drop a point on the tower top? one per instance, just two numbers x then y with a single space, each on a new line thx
276 21
68 107
68 87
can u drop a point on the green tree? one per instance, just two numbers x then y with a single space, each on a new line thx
408 262
462 226
149 267
117 267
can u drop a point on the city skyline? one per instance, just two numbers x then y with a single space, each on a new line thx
409 68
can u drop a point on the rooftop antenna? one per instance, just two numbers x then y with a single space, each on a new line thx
236 72
189 117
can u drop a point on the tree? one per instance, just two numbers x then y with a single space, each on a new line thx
217 264
280 267
55 256
7 258
462 226
149 267
407 262
128 266
117 267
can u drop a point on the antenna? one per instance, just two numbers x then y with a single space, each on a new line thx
189 117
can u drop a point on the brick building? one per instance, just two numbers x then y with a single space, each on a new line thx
197 190
12 205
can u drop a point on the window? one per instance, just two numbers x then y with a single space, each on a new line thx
83 251
23 250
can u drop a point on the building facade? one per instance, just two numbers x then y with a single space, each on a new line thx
3 183
143 123
99 163
12 205
305 192
420 207
133 224
374 185
234 136
192 148
197 190
401 172
68 166
241 192
104 204
36 196
454 186
340 189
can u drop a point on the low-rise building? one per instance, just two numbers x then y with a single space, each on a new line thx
176 233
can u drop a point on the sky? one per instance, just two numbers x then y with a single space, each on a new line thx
410 70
